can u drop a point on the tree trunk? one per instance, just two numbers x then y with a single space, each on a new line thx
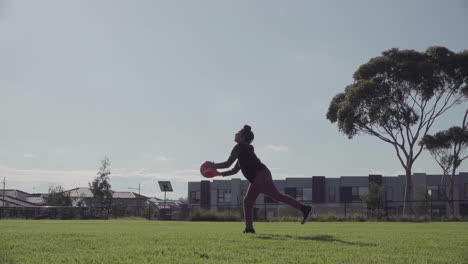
408 196
451 205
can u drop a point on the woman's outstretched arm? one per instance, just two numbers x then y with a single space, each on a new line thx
232 171
234 155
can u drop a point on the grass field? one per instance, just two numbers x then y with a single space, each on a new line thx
140 241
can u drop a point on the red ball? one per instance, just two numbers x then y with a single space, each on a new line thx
208 171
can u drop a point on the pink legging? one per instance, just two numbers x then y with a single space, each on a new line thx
263 183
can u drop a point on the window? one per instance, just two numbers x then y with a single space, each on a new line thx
466 190
433 192
363 191
307 194
443 192
223 196
290 191
332 194
267 199
299 194
194 197
355 193
389 193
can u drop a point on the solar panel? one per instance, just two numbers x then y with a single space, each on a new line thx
165 186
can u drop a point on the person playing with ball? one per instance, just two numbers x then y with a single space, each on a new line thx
258 175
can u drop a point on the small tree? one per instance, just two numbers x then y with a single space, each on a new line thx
119 209
373 198
100 187
57 197
398 96
422 197
447 148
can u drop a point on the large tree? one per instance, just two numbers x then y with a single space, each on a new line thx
448 147
100 187
397 97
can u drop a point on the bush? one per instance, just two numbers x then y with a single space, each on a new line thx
354 217
119 209
285 219
131 218
376 215
211 215
452 218
409 218
327 218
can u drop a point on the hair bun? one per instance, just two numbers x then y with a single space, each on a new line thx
247 127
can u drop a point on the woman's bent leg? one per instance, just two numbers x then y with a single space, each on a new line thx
269 188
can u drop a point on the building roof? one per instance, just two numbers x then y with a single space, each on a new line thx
6 190
83 192
16 202
36 199
127 195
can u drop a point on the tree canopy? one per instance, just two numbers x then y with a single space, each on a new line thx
101 187
448 147
397 97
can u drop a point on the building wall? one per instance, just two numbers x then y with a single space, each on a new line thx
393 186
335 184
461 187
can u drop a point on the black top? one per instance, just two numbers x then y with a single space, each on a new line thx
247 161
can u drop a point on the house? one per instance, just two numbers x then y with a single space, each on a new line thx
83 196
18 198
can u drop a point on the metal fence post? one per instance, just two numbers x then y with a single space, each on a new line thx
345 205
431 209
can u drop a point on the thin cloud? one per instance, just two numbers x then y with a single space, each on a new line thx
164 158
280 174
397 173
277 148
24 179
29 156
418 170
59 151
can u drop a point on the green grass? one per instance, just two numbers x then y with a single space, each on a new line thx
140 241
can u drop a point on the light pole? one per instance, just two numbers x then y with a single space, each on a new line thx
165 187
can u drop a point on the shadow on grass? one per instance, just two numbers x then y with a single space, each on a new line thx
326 238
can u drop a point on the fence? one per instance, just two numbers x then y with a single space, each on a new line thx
71 212
432 209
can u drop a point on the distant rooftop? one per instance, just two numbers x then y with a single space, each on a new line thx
84 192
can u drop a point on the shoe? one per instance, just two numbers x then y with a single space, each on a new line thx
249 230
308 212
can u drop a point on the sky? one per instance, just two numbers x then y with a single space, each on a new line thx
162 86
